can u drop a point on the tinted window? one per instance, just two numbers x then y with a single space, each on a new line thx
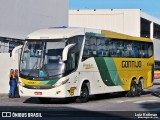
74 53
104 47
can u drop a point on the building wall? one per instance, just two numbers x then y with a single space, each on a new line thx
18 18
156 49
6 63
127 21
150 18
118 20
153 21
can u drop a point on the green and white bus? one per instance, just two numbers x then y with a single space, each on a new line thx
78 62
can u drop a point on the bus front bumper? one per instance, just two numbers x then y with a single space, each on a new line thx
58 92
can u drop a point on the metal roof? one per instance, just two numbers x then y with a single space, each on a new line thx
110 34
63 32
56 33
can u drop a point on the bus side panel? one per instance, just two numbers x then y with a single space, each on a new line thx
109 74
87 70
115 74
130 68
101 79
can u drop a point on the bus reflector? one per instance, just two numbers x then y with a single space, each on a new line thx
38 93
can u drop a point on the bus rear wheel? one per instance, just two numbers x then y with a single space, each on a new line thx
44 100
84 95
133 89
139 88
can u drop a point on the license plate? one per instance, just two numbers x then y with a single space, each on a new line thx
38 93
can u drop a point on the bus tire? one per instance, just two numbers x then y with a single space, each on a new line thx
44 100
139 88
133 89
124 93
101 96
84 95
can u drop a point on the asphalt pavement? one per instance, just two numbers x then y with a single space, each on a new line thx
110 105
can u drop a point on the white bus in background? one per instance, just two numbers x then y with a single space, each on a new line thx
78 62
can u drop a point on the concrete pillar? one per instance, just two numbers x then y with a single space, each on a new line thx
151 30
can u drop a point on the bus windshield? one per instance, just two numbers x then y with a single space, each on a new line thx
42 59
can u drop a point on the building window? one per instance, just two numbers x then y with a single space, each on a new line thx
157 65
8 44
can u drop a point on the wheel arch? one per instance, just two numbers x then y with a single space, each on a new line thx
134 79
131 92
86 81
142 81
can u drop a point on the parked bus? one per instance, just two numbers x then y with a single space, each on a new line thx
78 62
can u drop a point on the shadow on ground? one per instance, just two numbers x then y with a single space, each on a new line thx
156 84
92 98
68 112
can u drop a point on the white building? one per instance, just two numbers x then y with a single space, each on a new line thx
128 21
18 18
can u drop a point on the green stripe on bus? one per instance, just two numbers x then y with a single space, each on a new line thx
108 71
95 34
49 82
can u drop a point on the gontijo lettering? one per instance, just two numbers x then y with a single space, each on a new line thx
131 64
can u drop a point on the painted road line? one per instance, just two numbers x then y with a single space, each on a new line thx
143 101
122 101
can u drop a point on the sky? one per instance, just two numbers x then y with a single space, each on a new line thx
151 7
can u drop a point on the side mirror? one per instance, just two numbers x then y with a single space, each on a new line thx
65 52
14 51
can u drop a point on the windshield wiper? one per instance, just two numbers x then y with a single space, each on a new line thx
32 70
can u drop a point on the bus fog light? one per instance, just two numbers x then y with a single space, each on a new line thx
58 92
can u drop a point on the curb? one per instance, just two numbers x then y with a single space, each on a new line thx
3 95
157 94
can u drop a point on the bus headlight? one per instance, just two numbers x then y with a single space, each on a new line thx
61 83
21 84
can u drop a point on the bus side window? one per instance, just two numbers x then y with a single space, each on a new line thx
86 49
111 52
143 50
74 53
93 47
89 48
125 53
135 51
114 48
106 45
119 48
129 49
100 50
150 49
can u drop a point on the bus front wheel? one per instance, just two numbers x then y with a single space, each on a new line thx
84 95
